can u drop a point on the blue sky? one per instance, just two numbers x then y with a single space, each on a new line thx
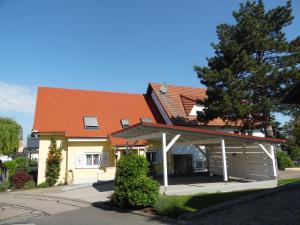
105 45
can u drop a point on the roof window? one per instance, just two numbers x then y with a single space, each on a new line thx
146 120
125 123
90 122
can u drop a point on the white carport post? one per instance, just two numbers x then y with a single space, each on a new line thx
271 156
273 161
165 149
225 176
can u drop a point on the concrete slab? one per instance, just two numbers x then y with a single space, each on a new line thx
197 188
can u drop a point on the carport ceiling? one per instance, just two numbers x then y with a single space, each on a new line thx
188 135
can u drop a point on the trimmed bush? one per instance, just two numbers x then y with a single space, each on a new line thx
43 185
132 187
295 153
283 160
30 185
20 178
4 186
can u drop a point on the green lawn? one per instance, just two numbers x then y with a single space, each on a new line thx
288 181
175 206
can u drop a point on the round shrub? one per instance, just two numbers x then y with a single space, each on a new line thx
30 185
144 192
20 178
283 160
132 187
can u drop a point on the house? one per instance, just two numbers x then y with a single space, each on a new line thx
32 148
82 122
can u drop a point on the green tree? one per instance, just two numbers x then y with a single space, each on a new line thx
10 135
253 68
53 163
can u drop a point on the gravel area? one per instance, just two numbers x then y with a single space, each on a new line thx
282 208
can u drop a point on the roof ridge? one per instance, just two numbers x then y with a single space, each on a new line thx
178 86
86 90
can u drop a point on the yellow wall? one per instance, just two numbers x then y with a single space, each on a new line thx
76 175
43 155
83 175
87 175
158 167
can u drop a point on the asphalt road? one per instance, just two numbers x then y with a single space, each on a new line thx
96 216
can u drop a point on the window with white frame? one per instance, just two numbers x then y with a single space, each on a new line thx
92 160
152 156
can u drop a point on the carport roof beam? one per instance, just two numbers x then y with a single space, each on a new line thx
147 131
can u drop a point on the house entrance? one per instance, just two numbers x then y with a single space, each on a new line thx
183 164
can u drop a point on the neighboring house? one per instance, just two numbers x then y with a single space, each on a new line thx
32 148
82 122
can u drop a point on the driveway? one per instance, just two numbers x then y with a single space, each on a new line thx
82 192
24 206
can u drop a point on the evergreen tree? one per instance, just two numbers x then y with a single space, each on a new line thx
253 68
53 163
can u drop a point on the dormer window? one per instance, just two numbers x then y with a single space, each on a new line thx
197 108
146 120
90 122
125 123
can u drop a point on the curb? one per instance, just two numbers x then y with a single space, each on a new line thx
228 204
102 205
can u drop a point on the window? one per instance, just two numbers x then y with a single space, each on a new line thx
92 160
151 157
146 120
125 123
90 122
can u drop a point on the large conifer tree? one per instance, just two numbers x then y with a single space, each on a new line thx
254 66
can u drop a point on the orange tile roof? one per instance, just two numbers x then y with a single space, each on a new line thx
179 101
62 110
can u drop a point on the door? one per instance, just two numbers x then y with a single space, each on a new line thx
183 164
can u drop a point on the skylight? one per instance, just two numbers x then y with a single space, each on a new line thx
146 120
90 122
125 123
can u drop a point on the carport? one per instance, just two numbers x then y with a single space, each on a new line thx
231 155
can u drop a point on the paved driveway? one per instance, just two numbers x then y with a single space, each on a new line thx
24 206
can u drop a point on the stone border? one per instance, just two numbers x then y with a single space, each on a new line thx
231 203
105 206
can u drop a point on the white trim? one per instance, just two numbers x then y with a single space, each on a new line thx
87 139
136 147
160 108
